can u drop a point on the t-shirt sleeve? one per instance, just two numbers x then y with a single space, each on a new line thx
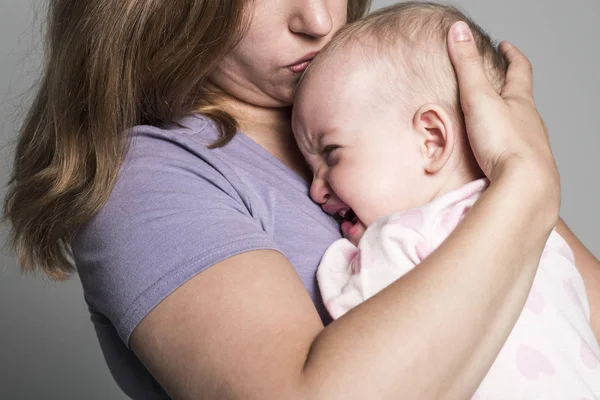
176 210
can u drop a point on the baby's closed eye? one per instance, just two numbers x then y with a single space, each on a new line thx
328 152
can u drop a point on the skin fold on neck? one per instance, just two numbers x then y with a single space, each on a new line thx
270 128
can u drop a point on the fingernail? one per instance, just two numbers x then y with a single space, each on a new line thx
461 32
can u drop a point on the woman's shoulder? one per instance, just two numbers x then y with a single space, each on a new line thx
177 208
194 133
176 159
186 148
169 171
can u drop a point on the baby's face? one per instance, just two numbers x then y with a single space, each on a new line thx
365 159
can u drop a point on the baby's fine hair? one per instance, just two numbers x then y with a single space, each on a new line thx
411 38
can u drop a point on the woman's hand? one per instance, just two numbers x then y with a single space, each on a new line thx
505 130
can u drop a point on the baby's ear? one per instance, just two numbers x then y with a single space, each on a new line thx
434 126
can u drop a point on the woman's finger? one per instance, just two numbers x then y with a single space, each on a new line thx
519 77
473 83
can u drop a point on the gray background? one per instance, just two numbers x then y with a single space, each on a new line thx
47 345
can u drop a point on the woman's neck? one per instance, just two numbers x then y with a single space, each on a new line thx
271 129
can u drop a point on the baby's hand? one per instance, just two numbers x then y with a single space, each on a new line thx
505 130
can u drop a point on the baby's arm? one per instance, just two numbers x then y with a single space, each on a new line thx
349 275
338 278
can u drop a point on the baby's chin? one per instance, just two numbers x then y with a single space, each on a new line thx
353 231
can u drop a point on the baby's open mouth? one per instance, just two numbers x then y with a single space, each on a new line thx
351 226
346 215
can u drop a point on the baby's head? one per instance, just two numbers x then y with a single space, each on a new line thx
377 114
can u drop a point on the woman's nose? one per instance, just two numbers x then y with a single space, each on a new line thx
312 18
320 191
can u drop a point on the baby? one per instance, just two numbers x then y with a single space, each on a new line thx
378 119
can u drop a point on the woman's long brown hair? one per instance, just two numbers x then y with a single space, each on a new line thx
110 65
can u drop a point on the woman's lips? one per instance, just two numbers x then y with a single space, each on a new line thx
299 67
301 64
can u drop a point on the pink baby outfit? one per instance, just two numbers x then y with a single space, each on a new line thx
551 353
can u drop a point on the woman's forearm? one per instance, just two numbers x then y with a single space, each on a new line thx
443 323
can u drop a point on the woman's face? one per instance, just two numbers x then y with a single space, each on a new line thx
283 36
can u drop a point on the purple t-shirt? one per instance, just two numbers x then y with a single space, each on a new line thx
177 209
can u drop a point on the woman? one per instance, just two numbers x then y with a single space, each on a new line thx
189 238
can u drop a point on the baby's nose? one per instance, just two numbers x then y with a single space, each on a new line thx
319 191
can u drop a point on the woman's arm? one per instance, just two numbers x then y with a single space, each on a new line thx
589 267
246 328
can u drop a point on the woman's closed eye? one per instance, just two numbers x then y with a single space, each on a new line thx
328 152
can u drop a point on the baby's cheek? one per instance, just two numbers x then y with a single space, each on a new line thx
384 204
346 187
374 211
361 192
